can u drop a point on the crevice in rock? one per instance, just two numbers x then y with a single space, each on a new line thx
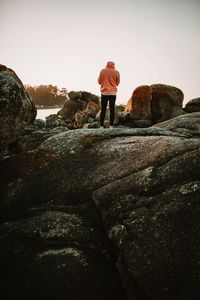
134 290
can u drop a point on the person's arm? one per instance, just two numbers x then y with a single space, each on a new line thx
118 79
99 78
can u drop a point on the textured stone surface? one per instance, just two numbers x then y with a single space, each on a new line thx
30 140
167 102
16 107
157 237
193 105
77 102
60 253
92 109
70 108
81 118
145 184
140 104
188 124
153 104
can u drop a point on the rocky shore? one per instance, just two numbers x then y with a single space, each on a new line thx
102 214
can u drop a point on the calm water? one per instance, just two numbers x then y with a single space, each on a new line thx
42 113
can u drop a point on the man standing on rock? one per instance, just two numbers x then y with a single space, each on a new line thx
109 79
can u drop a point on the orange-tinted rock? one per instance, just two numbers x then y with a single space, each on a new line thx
128 106
140 104
158 102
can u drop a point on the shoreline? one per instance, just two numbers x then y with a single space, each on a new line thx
47 107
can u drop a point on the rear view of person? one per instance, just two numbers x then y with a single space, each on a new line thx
109 79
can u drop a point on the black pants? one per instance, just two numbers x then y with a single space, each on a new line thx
104 101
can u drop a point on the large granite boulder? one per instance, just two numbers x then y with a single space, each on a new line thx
166 103
140 105
16 107
192 105
145 186
153 104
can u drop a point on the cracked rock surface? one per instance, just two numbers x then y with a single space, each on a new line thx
16 108
109 214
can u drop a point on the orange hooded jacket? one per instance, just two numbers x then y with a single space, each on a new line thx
109 79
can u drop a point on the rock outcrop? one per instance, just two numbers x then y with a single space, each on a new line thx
192 105
92 109
58 252
82 117
141 103
16 108
184 124
139 106
36 133
82 110
149 104
78 102
111 213
167 102
153 104
99 214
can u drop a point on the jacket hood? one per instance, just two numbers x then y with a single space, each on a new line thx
110 64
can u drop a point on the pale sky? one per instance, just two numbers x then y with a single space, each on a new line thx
66 43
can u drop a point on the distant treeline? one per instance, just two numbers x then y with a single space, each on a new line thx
47 95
